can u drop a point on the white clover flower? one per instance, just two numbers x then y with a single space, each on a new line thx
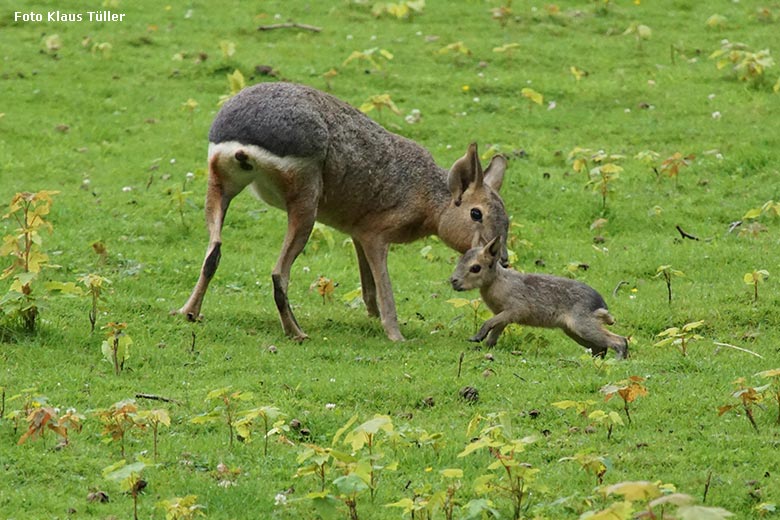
280 499
330 406
716 114
127 189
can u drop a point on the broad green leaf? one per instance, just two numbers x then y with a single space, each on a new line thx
702 513
344 428
407 504
350 485
65 288
121 471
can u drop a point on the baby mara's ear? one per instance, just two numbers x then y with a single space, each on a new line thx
493 248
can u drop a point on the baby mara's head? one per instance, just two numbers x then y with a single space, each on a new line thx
478 266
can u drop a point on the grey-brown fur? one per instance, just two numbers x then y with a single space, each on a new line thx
536 300
318 158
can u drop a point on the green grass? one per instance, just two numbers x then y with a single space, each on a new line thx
90 125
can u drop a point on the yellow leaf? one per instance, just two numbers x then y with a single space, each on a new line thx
452 473
237 82
533 95
634 491
577 72
617 511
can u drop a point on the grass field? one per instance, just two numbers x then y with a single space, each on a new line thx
114 116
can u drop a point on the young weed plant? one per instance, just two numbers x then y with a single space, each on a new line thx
29 211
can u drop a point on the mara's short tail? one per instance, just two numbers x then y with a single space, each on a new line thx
604 316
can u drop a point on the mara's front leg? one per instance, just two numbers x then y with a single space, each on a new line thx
492 328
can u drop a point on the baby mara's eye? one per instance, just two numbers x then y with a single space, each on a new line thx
475 268
476 214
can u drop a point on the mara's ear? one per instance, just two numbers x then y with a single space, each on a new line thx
477 240
493 248
494 174
464 172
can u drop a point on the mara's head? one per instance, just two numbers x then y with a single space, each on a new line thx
476 208
477 267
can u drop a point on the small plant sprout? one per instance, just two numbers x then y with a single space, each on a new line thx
507 48
667 273
456 48
402 10
596 465
365 436
680 337
228 48
116 346
45 418
324 287
426 501
579 158
29 210
657 500
601 179
774 377
748 396
379 102
502 13
581 407
236 83
225 410
609 419
117 420
746 65
769 207
515 478
672 165
755 278
475 305
94 284
129 478
717 21
578 73
640 31
154 419
179 198
532 96
182 508
372 56
273 421
628 390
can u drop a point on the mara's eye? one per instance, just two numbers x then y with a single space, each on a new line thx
476 214
475 268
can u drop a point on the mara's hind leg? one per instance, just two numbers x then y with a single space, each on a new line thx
221 190
375 250
367 284
589 332
301 214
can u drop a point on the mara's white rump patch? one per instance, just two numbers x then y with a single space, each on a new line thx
240 165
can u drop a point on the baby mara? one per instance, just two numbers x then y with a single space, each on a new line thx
536 300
